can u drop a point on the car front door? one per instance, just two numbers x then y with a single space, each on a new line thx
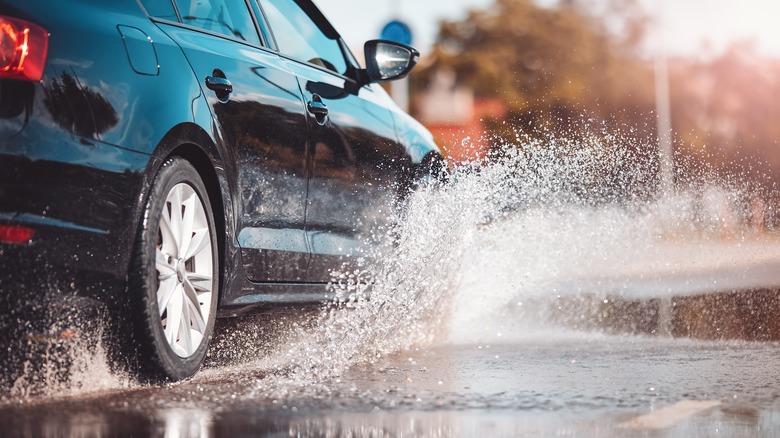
356 159
260 116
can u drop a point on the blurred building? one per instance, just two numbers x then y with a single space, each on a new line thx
456 118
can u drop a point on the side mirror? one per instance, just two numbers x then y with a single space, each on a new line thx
388 60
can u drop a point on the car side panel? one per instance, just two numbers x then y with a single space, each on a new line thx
263 127
77 149
357 167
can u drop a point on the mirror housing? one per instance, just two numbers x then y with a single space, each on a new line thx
388 60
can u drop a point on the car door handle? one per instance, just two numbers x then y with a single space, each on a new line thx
316 107
220 85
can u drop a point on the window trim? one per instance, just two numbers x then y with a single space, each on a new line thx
319 67
263 43
152 17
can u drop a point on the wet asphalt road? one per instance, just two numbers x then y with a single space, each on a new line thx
518 358
554 382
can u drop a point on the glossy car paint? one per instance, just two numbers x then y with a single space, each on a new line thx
121 92
350 189
263 126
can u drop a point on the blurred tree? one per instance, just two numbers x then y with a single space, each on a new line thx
725 112
549 65
576 65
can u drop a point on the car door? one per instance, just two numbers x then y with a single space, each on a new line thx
260 116
356 159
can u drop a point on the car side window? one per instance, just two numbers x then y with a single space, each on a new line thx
160 9
227 17
299 37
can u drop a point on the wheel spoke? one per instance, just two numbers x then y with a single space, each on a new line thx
194 304
164 269
188 218
185 332
174 308
165 292
169 243
200 240
176 218
196 280
196 312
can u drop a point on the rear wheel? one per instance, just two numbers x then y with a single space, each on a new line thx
175 284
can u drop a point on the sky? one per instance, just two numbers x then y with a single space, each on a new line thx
696 28
358 23
700 26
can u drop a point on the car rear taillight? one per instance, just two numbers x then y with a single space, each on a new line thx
16 234
23 48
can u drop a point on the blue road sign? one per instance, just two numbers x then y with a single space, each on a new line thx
397 31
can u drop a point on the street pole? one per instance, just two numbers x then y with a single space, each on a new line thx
395 8
663 113
663 108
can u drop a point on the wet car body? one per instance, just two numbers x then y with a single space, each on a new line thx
128 85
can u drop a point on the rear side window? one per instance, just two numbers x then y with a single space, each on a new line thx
160 9
227 17
299 37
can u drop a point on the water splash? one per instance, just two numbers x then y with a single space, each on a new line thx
543 219
64 363
487 257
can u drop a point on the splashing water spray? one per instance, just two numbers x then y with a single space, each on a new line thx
489 254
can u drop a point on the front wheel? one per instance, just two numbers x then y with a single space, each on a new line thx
175 275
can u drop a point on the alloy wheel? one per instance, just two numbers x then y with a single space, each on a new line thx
184 262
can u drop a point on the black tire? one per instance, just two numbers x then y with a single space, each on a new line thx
153 354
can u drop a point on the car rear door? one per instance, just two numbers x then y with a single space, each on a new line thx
356 159
261 119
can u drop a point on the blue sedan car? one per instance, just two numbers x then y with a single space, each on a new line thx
177 159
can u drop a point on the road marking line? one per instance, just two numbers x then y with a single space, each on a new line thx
670 415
